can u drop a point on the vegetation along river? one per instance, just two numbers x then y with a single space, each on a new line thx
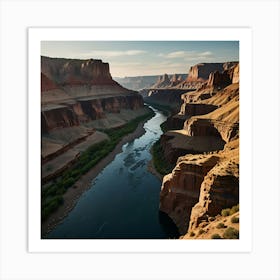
123 200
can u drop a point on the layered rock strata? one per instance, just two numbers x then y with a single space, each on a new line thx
169 97
199 74
76 91
205 179
199 187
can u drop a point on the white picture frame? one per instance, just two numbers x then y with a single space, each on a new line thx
261 261
36 36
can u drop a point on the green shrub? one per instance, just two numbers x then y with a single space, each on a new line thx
231 233
234 220
201 231
225 212
51 206
52 196
234 209
161 164
192 234
216 236
221 225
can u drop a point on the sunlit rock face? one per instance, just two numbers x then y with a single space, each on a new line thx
75 91
205 150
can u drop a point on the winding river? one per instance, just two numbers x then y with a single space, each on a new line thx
123 200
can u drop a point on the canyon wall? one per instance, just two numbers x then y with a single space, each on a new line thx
76 72
199 75
75 91
205 179
170 97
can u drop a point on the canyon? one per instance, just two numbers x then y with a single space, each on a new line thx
79 99
139 83
82 107
202 142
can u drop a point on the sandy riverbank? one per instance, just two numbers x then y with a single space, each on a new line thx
72 195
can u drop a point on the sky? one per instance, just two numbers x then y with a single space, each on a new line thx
141 58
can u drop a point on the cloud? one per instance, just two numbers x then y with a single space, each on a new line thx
100 53
206 54
188 55
176 54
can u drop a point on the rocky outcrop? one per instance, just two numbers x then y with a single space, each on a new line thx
181 189
201 71
209 127
76 91
206 177
235 77
76 72
228 76
176 143
199 187
200 132
86 109
175 80
220 188
162 82
57 116
195 109
219 79
175 122
137 83
140 83
168 81
47 84
170 97
217 227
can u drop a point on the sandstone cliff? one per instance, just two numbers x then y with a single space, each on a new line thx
76 72
76 91
162 82
199 187
168 81
205 179
200 74
138 82
170 97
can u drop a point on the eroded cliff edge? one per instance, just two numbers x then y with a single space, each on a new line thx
77 91
79 100
205 150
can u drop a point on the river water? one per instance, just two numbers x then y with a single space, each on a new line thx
123 200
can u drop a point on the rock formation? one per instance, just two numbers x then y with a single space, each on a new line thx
200 74
170 97
76 91
205 179
76 72
137 83
162 82
140 83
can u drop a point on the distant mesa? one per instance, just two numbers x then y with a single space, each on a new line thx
166 81
138 82
199 73
76 72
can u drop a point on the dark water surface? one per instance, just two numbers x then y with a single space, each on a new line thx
123 201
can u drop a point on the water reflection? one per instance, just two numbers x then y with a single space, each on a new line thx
123 201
